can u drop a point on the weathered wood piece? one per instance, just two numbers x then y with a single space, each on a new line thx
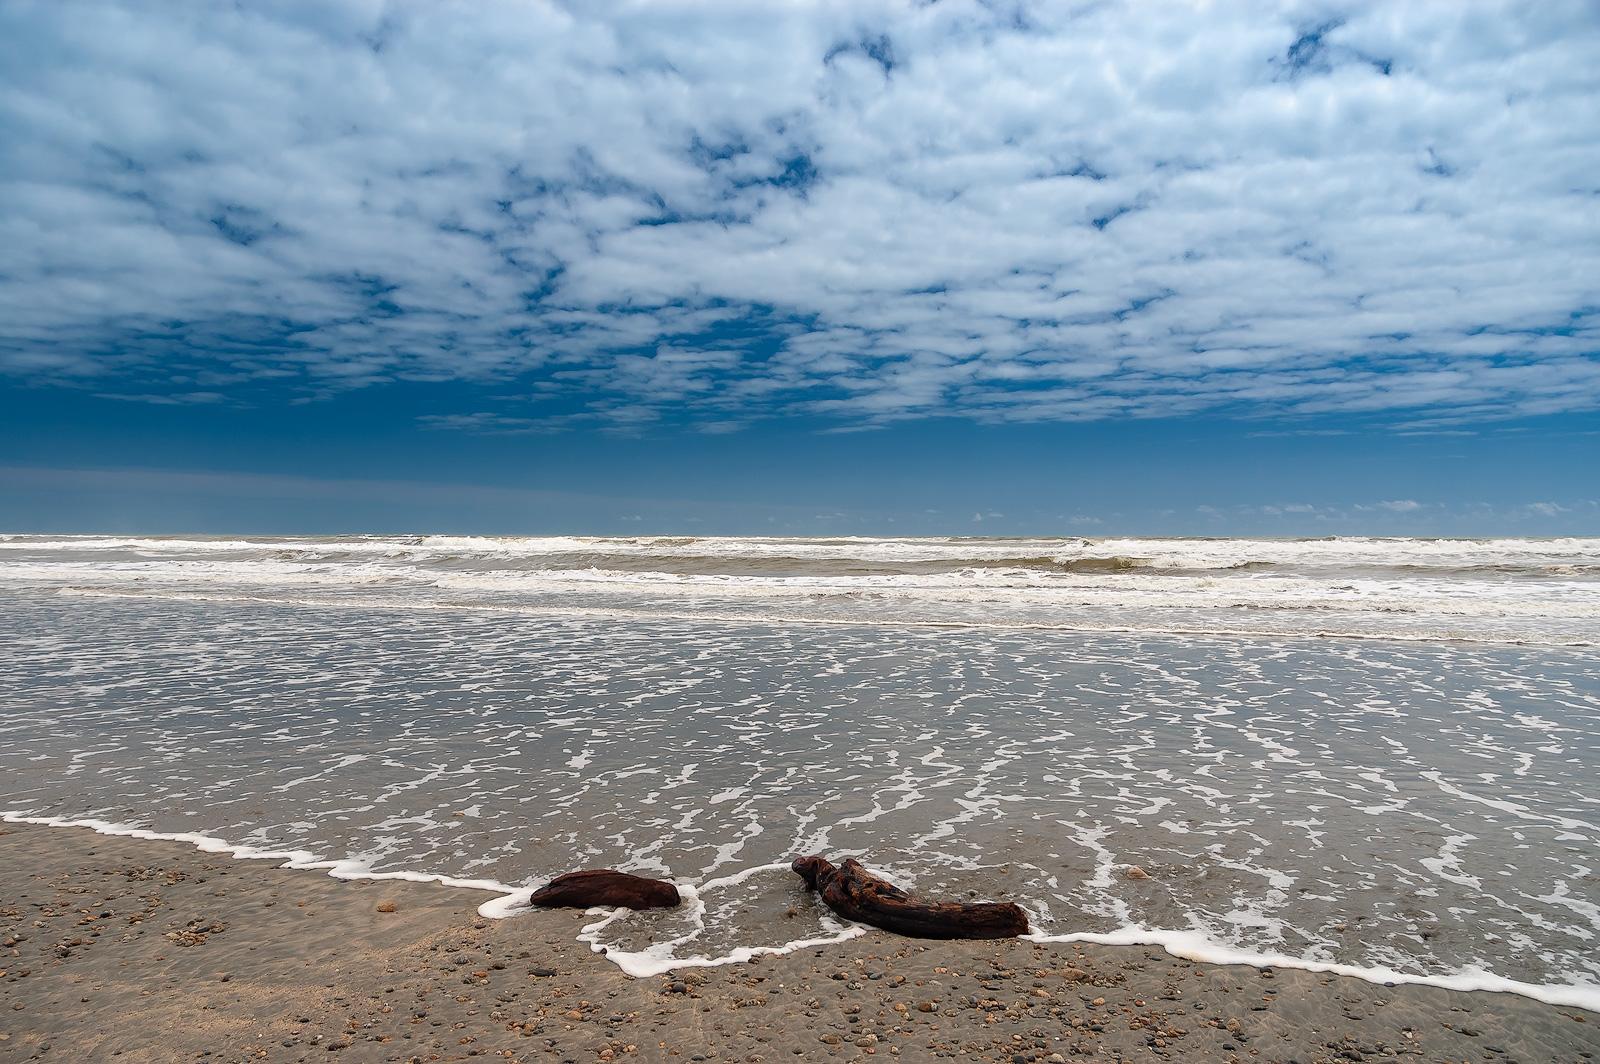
602 886
856 894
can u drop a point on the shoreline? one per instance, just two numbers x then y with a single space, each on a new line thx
509 902
155 950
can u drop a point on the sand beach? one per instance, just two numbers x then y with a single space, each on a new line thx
132 950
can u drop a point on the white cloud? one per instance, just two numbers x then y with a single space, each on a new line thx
869 210
486 423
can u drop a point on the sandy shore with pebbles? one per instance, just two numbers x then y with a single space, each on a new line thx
114 948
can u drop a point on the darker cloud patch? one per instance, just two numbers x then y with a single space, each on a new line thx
382 35
521 185
879 49
545 288
795 173
372 289
1435 165
1072 168
1014 15
591 176
456 227
243 225
1140 303
1309 52
708 156
117 160
1312 53
1312 255
1102 220
798 174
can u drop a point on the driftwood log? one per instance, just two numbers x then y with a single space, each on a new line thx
602 886
856 894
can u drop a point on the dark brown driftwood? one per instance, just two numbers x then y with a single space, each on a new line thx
602 886
856 894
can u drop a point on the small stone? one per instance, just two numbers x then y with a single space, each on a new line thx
926 1006
387 906
1135 872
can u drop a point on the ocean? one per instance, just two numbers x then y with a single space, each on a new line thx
1370 756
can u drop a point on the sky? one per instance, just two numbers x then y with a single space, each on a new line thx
865 267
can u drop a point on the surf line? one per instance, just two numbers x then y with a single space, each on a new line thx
657 959
1192 946
762 621
508 900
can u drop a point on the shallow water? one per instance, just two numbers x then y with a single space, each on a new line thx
1382 797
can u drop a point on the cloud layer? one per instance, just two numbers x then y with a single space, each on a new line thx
866 210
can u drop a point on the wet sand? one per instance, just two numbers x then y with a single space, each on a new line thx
114 948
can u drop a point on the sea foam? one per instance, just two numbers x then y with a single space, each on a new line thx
660 958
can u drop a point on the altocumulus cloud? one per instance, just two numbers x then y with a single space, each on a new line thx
865 210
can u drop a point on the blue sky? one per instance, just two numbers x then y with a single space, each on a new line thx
1277 268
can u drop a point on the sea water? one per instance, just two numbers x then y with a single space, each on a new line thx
1374 756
